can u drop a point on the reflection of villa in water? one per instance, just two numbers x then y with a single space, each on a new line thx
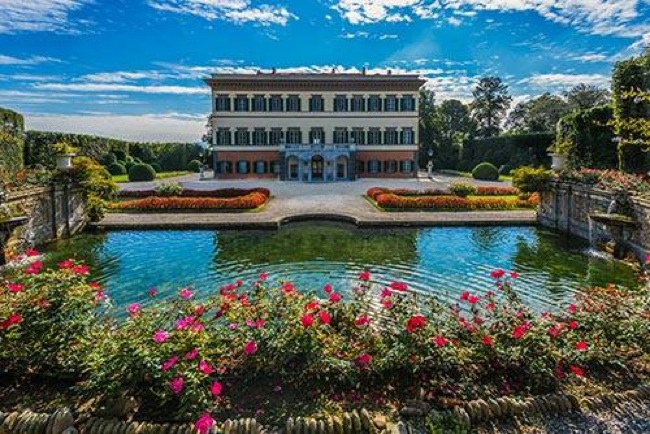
314 127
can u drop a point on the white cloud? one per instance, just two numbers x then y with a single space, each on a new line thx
171 127
28 61
236 11
565 80
603 17
111 87
37 15
591 57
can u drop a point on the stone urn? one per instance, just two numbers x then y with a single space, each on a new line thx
64 161
558 161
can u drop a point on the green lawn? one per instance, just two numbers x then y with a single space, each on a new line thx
125 178
469 174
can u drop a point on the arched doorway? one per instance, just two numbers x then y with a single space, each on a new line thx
317 164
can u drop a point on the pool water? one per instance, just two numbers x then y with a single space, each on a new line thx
441 262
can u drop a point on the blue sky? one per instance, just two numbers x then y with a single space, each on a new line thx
133 68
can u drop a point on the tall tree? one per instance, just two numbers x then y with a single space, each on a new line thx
537 115
491 101
427 109
453 122
585 96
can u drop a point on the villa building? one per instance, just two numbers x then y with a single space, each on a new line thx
314 127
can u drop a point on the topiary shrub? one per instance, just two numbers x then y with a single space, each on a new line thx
136 160
128 165
116 169
461 189
485 172
119 154
156 167
194 166
108 159
141 172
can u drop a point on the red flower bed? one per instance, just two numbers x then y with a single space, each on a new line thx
251 200
497 191
219 193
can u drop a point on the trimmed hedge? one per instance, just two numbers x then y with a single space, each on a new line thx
156 167
116 169
194 166
509 151
141 172
39 146
11 143
486 172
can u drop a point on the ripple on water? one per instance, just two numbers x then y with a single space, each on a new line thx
439 262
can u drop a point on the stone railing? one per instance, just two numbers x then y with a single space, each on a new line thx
567 207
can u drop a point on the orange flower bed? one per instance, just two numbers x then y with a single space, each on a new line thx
497 191
435 200
249 201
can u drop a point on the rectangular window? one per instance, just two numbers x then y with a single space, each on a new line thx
408 103
373 166
358 136
360 166
340 135
260 167
374 103
223 136
293 103
259 137
275 103
294 136
242 167
390 103
340 103
390 166
406 166
407 136
276 136
316 104
358 104
390 136
224 167
222 103
374 136
241 103
241 137
316 135
259 103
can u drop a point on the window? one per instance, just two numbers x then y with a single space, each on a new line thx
374 103
260 167
259 103
340 135
241 103
373 166
224 167
358 103
316 104
275 167
358 136
242 167
294 136
406 166
390 136
360 166
241 137
390 103
259 137
408 103
222 103
276 136
316 135
340 103
407 136
390 166
223 136
374 136
275 103
293 103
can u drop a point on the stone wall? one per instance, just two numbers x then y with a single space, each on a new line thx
567 207
53 212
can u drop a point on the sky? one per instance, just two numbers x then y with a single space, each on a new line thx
133 69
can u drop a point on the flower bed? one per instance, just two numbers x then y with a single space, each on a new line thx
225 199
486 198
188 356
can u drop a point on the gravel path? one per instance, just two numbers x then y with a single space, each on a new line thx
629 418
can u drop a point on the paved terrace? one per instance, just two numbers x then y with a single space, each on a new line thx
293 201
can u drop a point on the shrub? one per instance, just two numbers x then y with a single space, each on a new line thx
116 169
486 172
169 189
461 189
119 155
531 180
108 159
136 160
156 167
194 166
96 182
141 172
129 159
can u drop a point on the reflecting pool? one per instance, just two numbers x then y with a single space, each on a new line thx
441 262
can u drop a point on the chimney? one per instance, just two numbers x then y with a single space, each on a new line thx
390 72
333 70
364 70
274 70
